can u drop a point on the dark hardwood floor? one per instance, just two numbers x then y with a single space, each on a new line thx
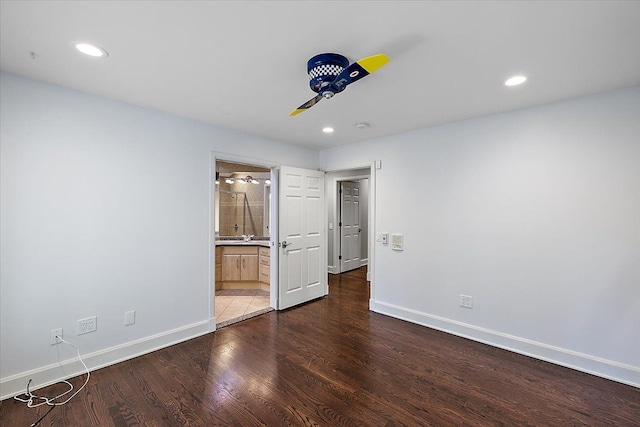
331 362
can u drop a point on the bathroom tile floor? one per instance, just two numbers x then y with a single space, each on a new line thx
237 304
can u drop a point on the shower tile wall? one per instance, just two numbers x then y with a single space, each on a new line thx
232 210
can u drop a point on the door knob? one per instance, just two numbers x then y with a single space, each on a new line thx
285 244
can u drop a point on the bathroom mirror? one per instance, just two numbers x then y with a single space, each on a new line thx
242 200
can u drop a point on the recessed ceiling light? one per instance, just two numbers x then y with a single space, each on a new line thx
91 50
515 81
327 129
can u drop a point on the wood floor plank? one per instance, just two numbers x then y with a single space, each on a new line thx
332 362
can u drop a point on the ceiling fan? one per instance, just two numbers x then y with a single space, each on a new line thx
330 73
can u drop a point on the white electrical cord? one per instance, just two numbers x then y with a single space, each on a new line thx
32 400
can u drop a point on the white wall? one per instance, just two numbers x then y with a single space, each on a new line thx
105 208
534 213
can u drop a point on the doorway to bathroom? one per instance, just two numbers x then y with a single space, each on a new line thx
242 203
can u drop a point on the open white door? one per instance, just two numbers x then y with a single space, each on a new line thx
302 237
349 226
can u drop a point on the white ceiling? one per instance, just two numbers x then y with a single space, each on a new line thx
242 64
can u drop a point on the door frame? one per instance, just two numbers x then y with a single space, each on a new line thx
331 187
273 226
274 220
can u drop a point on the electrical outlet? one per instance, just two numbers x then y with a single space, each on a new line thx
56 334
466 301
129 318
90 324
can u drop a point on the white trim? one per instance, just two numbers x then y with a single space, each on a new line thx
211 250
594 365
334 269
371 276
50 374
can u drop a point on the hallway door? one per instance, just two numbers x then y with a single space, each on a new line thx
350 227
302 237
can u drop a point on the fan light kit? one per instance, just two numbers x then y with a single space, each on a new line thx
330 73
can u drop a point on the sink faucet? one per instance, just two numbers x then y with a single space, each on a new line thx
247 237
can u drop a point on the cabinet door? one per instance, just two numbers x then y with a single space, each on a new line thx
265 274
231 267
218 265
249 267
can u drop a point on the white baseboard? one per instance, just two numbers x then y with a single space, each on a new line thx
335 269
47 375
594 365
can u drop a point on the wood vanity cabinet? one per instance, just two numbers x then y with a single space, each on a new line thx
218 269
239 263
242 267
265 269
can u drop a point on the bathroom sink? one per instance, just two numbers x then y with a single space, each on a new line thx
242 242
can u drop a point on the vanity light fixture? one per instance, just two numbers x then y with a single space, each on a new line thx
267 181
515 81
229 180
92 50
327 129
248 180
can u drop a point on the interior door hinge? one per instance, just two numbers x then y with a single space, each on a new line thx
340 224
339 257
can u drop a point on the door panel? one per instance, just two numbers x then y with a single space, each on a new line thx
249 267
302 237
349 226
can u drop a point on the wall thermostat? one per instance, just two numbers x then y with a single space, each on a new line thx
397 242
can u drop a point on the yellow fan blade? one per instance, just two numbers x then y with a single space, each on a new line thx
372 63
